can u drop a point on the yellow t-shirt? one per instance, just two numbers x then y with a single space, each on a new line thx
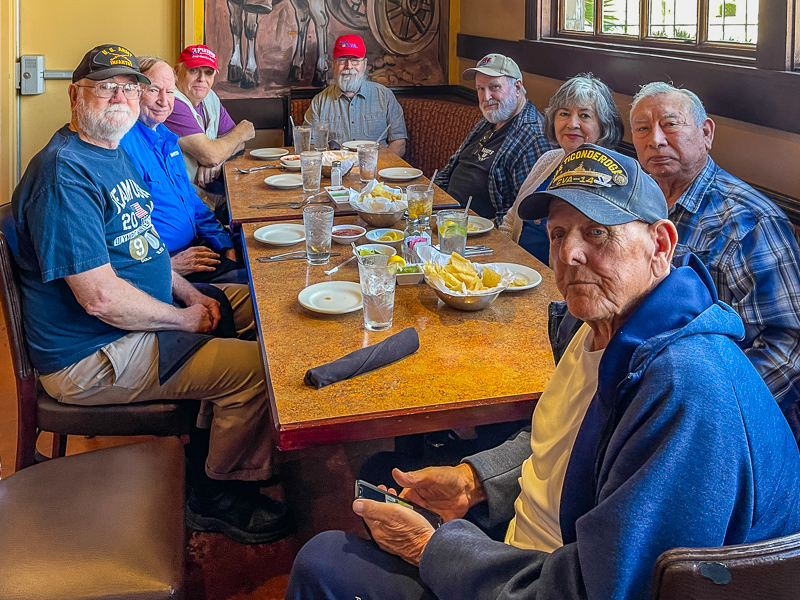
556 421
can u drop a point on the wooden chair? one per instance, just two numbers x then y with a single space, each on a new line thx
38 411
97 525
768 570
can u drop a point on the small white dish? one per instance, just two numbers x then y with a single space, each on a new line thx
483 225
291 162
332 297
375 236
268 153
410 278
338 193
354 144
374 249
400 173
532 276
353 233
281 234
284 182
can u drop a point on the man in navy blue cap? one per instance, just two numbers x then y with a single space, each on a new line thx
654 432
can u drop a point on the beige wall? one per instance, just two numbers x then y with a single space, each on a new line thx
63 31
501 19
759 155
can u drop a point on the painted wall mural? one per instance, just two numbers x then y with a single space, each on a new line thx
264 47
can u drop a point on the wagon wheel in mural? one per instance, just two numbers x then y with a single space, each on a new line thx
403 26
352 13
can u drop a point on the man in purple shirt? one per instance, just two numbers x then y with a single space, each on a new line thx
208 135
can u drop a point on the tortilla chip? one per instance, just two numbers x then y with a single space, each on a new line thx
490 278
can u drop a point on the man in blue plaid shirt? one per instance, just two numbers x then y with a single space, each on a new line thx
747 243
498 154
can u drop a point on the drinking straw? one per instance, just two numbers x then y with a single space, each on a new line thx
466 209
430 185
381 135
291 121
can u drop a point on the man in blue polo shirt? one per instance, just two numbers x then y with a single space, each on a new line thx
97 299
201 249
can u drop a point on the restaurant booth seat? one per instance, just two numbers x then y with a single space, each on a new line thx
767 570
97 525
38 411
435 128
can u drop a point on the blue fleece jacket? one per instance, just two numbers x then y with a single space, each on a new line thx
682 445
178 212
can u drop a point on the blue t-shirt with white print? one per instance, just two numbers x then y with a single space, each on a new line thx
79 207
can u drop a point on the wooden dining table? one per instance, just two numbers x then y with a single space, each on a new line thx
247 189
472 368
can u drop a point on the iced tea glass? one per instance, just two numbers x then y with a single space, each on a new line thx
420 200
368 161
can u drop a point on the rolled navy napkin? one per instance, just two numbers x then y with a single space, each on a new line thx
366 359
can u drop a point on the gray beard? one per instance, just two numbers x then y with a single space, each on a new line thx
97 126
350 84
503 112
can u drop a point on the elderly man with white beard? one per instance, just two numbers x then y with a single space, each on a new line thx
500 151
99 303
355 108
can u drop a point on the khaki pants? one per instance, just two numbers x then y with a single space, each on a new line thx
226 375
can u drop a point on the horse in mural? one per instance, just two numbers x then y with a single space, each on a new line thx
244 15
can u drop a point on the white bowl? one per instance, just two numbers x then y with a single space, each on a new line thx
410 278
291 162
375 235
346 239
378 249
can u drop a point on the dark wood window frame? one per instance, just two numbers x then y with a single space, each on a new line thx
763 91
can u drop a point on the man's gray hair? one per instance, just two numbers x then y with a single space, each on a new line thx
587 91
659 87
147 62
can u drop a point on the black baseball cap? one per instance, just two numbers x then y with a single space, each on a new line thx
106 61
608 187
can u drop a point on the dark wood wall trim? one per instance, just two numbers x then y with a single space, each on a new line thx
743 93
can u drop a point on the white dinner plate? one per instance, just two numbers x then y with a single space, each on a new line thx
483 224
284 182
331 297
400 173
268 153
281 234
532 275
353 145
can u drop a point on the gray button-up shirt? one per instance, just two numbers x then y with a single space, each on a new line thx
362 117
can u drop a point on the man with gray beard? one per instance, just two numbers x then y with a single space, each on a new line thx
500 151
108 322
355 108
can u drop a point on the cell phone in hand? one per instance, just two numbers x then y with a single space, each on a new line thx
371 492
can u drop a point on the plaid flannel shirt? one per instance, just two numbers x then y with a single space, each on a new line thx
523 146
751 251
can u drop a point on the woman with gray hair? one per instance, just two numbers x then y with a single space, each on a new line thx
581 111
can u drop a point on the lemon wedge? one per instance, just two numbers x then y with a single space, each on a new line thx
397 259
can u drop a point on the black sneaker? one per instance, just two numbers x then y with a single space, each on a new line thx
244 518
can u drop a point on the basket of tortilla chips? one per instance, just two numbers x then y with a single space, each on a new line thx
380 205
462 284
348 160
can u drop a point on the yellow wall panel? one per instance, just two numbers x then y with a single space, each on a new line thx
63 31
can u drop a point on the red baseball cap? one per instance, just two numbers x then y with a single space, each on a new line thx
349 45
199 56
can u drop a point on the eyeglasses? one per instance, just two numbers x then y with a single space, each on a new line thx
343 60
108 89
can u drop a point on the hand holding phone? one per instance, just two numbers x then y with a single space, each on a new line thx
371 492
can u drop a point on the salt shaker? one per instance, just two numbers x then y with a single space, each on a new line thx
336 173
